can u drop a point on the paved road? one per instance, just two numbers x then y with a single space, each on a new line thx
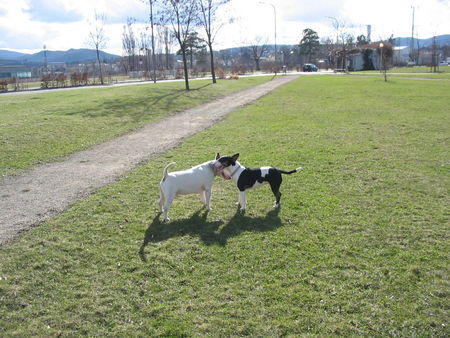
46 190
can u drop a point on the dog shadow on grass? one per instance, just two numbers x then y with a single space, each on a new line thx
209 232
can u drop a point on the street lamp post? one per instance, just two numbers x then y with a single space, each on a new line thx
383 61
275 20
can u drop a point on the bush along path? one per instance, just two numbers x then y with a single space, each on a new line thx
46 190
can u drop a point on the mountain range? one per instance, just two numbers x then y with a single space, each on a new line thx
441 40
69 56
89 55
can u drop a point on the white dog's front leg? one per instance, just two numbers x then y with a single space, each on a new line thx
203 197
208 199
243 200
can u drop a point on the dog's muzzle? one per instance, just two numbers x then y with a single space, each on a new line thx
219 171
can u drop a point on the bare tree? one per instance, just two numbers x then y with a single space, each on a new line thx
207 18
129 43
181 16
97 38
166 39
258 49
344 42
151 5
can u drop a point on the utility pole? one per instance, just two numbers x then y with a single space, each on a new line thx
45 59
150 2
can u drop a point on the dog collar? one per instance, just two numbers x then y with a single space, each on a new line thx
234 172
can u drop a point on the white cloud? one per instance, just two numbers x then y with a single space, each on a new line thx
19 29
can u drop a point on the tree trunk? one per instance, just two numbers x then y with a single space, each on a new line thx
213 72
258 68
186 75
99 66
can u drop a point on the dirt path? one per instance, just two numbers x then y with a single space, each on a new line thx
47 190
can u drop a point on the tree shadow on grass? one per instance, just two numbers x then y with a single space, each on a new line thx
208 231
137 108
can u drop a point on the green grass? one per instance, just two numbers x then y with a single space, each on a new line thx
411 72
359 248
40 127
421 69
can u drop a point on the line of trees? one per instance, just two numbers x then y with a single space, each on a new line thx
177 22
191 26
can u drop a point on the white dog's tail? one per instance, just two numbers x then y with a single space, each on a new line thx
165 171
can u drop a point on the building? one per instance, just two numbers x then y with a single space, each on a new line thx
368 57
401 56
19 72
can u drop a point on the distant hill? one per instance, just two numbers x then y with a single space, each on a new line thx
441 40
68 56
9 55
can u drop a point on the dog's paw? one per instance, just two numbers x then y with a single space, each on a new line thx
166 220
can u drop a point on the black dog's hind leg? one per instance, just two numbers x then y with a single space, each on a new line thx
275 186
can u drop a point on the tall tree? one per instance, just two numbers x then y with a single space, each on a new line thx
97 38
309 44
129 43
181 16
361 40
166 40
258 49
194 43
151 5
208 18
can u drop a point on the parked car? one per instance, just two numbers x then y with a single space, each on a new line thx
309 67
443 63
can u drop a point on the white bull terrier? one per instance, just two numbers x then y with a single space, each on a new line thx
196 180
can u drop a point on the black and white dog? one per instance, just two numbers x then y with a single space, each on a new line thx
247 179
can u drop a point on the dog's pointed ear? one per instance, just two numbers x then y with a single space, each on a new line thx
235 156
217 156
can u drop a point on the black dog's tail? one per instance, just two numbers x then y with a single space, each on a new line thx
290 172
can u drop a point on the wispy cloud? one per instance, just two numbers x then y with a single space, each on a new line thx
63 24
51 12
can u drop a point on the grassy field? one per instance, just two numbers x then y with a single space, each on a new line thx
40 127
411 72
359 248
421 69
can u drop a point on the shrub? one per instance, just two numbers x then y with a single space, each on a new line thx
233 76
14 82
85 78
79 79
220 73
61 80
46 80
75 79
3 85
179 74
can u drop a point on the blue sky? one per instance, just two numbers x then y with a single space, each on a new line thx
27 25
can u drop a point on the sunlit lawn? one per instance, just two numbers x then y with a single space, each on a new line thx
40 127
359 248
